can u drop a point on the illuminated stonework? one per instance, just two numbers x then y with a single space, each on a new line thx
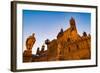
69 45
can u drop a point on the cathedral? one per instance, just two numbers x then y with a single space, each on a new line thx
68 45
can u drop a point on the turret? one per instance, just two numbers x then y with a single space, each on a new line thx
38 51
60 33
42 49
47 41
84 34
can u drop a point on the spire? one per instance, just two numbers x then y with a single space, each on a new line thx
73 24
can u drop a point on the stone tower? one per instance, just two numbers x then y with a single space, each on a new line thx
73 24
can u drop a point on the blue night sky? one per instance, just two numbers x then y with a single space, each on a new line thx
47 24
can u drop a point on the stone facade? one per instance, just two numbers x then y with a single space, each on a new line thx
69 45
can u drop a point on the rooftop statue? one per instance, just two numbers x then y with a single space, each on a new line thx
29 44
